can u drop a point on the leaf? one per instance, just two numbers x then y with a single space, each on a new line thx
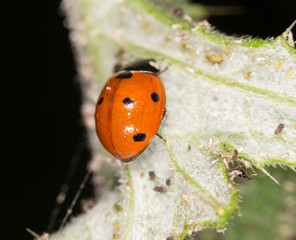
226 97
267 210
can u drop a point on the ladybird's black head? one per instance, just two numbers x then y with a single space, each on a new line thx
145 65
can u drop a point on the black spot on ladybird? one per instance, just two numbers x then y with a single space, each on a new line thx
140 137
155 97
125 74
101 100
127 101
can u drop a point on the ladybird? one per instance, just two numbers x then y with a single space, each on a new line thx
130 109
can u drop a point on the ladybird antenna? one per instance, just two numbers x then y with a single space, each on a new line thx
70 209
65 186
166 68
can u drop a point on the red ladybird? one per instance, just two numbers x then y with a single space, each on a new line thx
130 109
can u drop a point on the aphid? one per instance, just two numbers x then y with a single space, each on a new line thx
160 189
214 59
168 182
279 128
152 175
177 12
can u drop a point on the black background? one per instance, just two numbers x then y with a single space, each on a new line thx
43 126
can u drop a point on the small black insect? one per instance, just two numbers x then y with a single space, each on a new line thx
160 189
279 128
152 175
168 182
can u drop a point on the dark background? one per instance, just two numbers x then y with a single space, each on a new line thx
43 129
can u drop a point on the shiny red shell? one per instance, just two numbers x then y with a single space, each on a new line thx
129 111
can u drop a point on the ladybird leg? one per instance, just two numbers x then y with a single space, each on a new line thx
161 137
164 113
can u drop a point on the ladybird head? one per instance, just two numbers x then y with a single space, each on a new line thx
145 65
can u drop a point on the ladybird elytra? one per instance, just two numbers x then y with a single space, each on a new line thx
130 109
